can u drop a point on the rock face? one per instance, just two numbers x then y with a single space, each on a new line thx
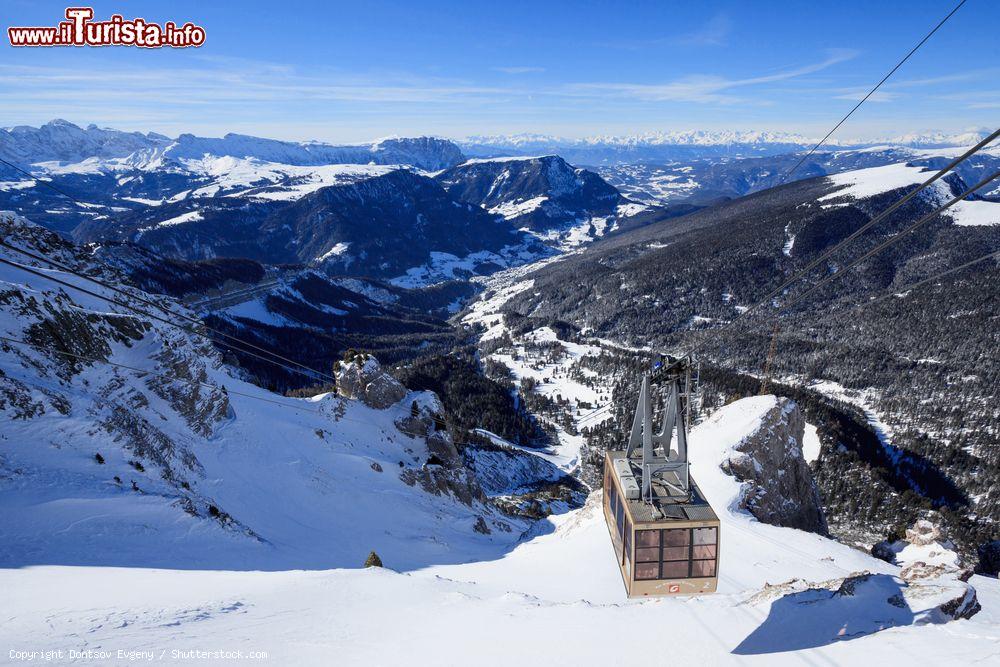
150 411
932 569
362 378
523 484
778 485
426 153
924 533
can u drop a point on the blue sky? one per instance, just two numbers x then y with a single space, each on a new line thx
360 70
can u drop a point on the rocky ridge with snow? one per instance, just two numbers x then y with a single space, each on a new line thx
64 143
778 487
546 197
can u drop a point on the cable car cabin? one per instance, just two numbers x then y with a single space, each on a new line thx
664 532
667 547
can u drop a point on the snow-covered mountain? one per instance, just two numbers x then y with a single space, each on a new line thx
707 181
917 431
667 146
248 521
62 141
392 224
544 196
110 172
60 146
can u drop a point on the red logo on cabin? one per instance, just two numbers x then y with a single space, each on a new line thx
674 588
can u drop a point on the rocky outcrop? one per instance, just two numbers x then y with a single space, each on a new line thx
932 568
778 486
435 479
521 483
815 613
363 378
924 546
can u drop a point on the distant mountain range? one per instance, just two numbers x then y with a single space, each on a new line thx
687 145
409 210
706 181
60 142
413 211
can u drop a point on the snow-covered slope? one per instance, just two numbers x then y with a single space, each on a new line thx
364 221
704 180
111 172
865 183
555 599
168 459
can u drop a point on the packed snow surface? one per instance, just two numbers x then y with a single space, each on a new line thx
556 598
810 443
190 216
862 183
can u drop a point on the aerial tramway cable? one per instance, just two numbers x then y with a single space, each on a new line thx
82 204
882 246
743 316
174 378
871 92
48 184
895 291
937 276
167 376
305 369
167 311
142 313
770 360
199 322
892 239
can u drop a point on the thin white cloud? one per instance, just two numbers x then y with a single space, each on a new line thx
199 86
975 99
518 70
705 88
858 94
947 78
211 95
715 32
222 84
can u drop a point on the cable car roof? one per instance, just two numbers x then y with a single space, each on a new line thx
667 506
